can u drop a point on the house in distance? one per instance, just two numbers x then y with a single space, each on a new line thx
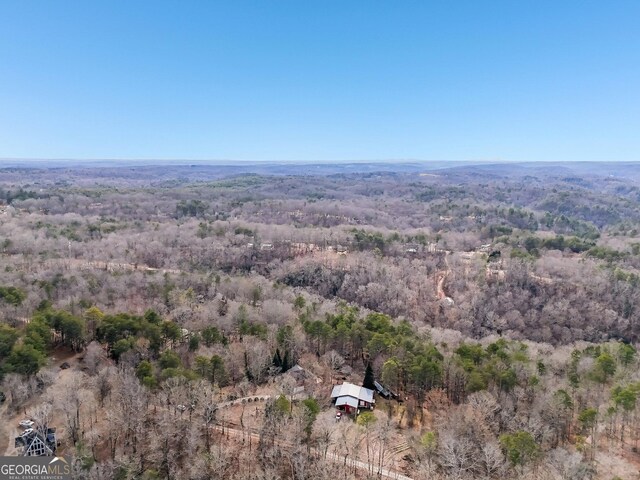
36 443
349 398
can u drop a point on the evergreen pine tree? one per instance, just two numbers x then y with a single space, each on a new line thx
369 378
277 359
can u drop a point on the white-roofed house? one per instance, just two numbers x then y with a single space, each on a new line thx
349 397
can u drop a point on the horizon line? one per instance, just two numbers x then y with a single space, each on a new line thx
187 161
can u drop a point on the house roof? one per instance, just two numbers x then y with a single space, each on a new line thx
350 390
352 402
35 444
380 388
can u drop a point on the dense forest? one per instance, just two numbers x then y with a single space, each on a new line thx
202 315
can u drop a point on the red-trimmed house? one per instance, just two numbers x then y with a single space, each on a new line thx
349 397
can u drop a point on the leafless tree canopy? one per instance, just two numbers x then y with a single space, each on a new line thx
205 312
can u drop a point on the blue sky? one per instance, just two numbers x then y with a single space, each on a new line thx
325 80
